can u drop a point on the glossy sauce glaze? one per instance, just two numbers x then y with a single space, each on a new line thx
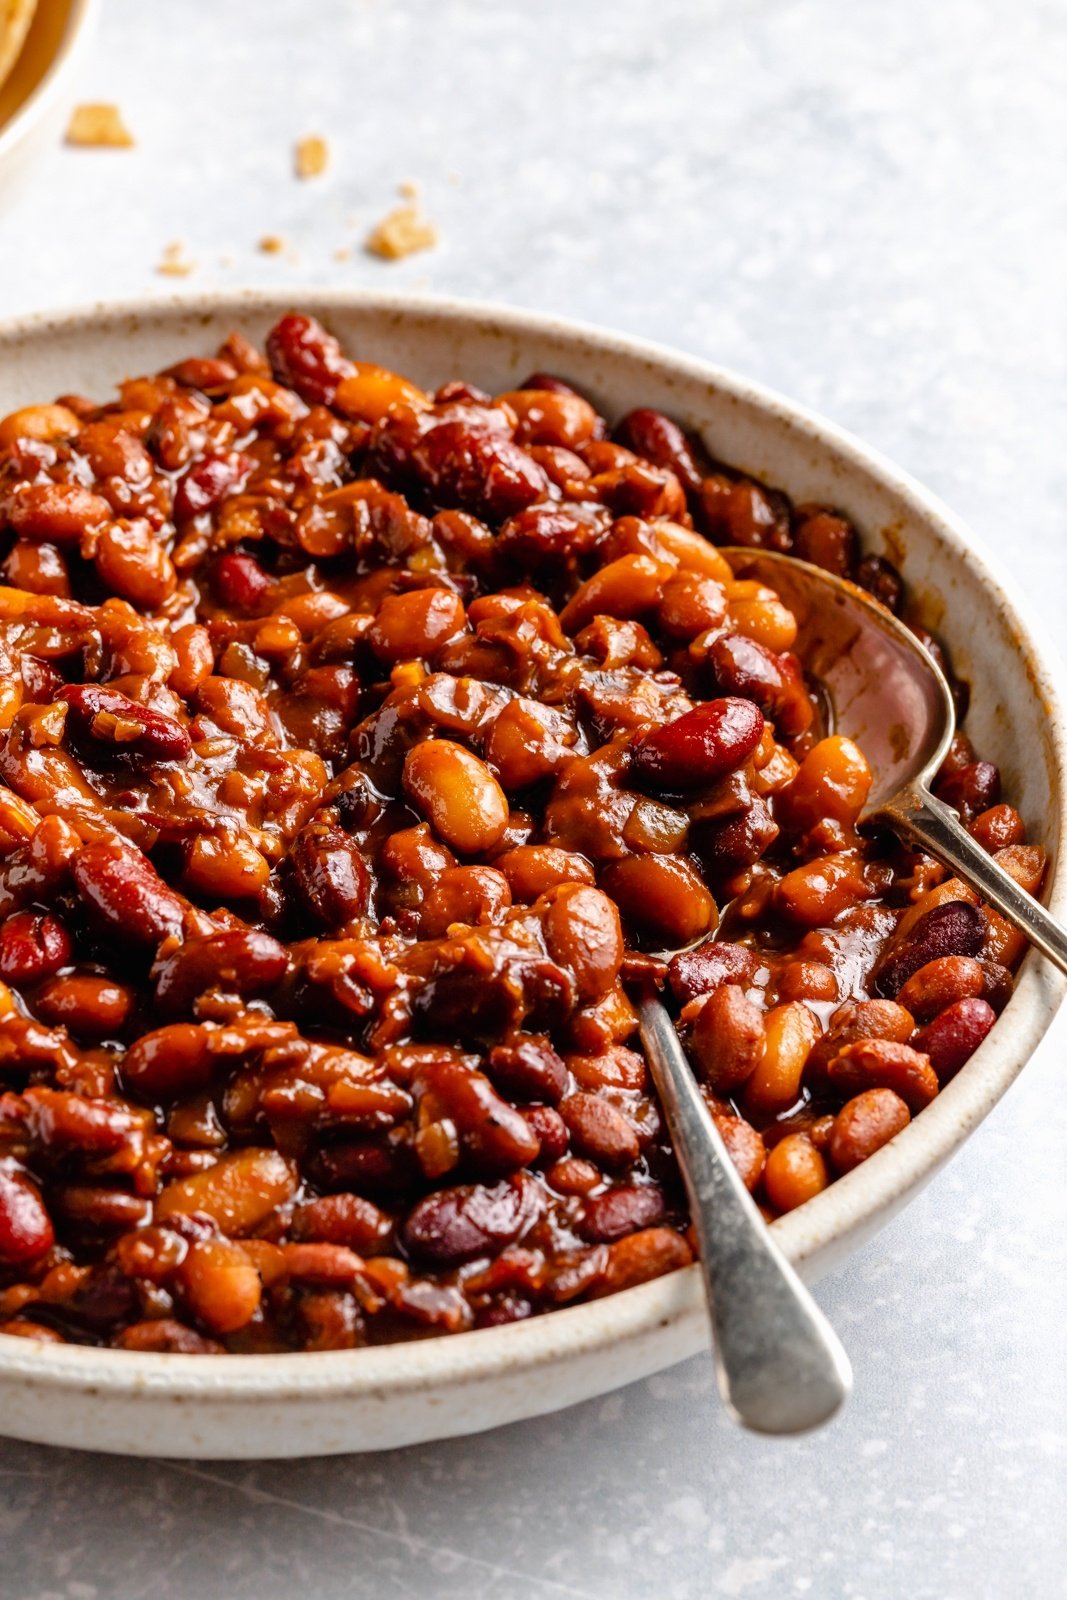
361 748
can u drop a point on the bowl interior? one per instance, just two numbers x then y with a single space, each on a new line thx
1016 719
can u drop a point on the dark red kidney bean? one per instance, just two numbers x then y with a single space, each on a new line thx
242 961
660 440
126 892
609 1216
329 876
205 484
775 682
456 1225
728 847
825 539
307 358
41 682
528 1069
25 1226
117 724
168 1062
545 535
974 788
240 581
881 579
460 464
696 972
551 384
33 946
999 984
738 511
548 1126
954 928
952 1038
699 747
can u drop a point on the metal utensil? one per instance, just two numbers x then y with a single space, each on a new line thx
780 1366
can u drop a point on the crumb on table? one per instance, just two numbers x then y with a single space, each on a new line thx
99 125
311 156
400 234
271 244
174 263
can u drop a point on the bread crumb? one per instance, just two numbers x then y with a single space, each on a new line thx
311 156
400 234
173 262
343 252
99 126
408 190
271 244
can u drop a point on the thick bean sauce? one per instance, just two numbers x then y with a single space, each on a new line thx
360 747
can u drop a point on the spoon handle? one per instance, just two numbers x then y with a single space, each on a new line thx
780 1366
935 825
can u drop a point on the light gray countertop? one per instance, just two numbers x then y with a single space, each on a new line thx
867 208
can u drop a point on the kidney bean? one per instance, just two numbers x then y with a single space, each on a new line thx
775 682
599 1130
882 580
663 896
972 789
33 945
25 1226
110 721
240 961
654 436
883 1064
463 464
126 893
307 358
697 748
168 1062
239 1192
941 983
583 933
203 485
241 582
953 1036
55 513
549 1127
864 1125
621 1210
457 1225
329 876
716 962
641 1257
954 928
457 793
795 1172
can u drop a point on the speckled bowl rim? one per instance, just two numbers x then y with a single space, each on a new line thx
849 1207
43 101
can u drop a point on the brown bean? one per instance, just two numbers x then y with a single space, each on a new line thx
583 934
221 1285
864 1125
882 1064
727 1039
664 896
239 1192
941 983
458 795
599 1130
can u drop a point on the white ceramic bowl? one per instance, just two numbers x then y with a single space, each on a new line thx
293 1405
36 97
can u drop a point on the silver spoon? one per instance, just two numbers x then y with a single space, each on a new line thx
780 1366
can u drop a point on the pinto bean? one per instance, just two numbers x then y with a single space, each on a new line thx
864 1125
717 962
599 1130
528 1069
941 983
883 1064
642 1256
728 1039
583 933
